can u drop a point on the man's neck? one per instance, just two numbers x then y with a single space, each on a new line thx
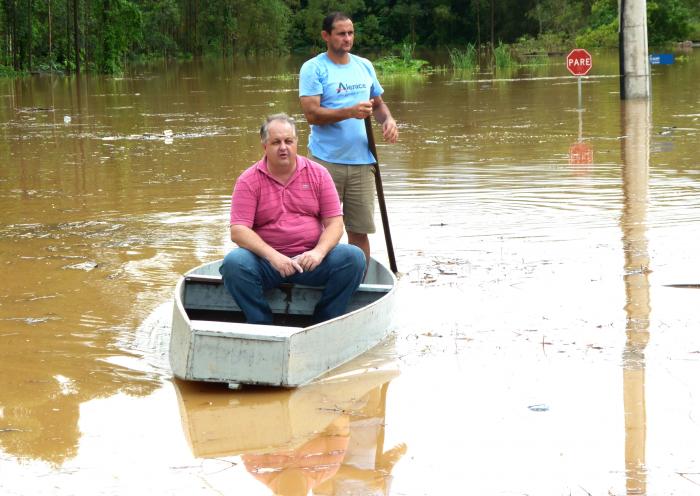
282 174
339 58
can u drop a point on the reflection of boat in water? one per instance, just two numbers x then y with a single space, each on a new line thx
327 435
211 342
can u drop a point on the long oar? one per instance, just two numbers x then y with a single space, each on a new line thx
380 196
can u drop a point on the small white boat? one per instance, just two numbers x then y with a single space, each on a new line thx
211 342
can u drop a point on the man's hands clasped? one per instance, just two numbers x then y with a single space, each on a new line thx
288 266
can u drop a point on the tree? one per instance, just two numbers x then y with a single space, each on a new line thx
76 37
408 13
667 20
121 26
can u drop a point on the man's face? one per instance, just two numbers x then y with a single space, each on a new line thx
340 40
281 145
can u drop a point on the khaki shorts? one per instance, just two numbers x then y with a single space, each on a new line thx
355 185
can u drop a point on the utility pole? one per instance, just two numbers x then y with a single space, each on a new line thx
635 79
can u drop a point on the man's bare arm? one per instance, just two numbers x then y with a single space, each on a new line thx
383 116
316 114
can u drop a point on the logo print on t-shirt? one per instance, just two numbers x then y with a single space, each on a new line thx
350 87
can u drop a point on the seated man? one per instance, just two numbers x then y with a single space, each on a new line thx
286 220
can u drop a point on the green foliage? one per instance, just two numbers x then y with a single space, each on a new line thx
559 16
603 12
466 59
605 36
407 50
114 32
667 21
263 26
9 72
405 64
121 28
503 57
369 34
543 44
694 33
160 19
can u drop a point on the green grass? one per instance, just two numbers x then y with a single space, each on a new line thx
9 72
464 59
405 64
392 64
502 56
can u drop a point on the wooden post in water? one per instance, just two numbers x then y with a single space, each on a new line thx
635 80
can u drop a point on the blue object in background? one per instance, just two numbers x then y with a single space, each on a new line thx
662 58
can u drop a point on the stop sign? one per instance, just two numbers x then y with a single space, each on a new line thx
580 154
579 62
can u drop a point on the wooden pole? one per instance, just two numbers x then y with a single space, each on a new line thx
380 196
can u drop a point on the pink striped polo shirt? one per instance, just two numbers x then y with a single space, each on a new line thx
286 216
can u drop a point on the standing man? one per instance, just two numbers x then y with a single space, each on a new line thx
286 220
337 91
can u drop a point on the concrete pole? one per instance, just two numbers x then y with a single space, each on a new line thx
635 80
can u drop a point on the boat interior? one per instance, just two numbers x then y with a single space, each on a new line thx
204 297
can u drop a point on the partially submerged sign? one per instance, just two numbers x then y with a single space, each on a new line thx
580 154
662 58
579 62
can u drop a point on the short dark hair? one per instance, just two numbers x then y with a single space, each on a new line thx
331 18
264 129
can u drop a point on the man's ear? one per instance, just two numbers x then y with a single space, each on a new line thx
324 35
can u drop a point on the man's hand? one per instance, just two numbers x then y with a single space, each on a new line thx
390 130
361 110
285 266
309 260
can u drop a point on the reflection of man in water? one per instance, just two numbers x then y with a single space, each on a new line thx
347 458
296 472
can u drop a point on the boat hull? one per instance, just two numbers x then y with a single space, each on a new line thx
216 349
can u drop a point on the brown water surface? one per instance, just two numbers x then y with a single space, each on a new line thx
546 340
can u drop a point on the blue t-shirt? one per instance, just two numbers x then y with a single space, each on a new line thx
340 86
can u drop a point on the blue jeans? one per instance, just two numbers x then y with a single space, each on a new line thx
247 277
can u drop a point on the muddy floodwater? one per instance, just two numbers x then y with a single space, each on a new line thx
547 335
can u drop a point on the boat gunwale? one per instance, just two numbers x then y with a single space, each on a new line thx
244 325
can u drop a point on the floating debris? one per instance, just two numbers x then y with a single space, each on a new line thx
539 408
86 266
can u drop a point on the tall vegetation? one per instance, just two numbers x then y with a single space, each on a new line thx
103 35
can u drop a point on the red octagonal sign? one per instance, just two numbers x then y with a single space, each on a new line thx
579 62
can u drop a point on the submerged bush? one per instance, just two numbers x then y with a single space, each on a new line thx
464 59
392 64
405 64
502 56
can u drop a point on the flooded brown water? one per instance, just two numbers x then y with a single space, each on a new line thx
546 340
